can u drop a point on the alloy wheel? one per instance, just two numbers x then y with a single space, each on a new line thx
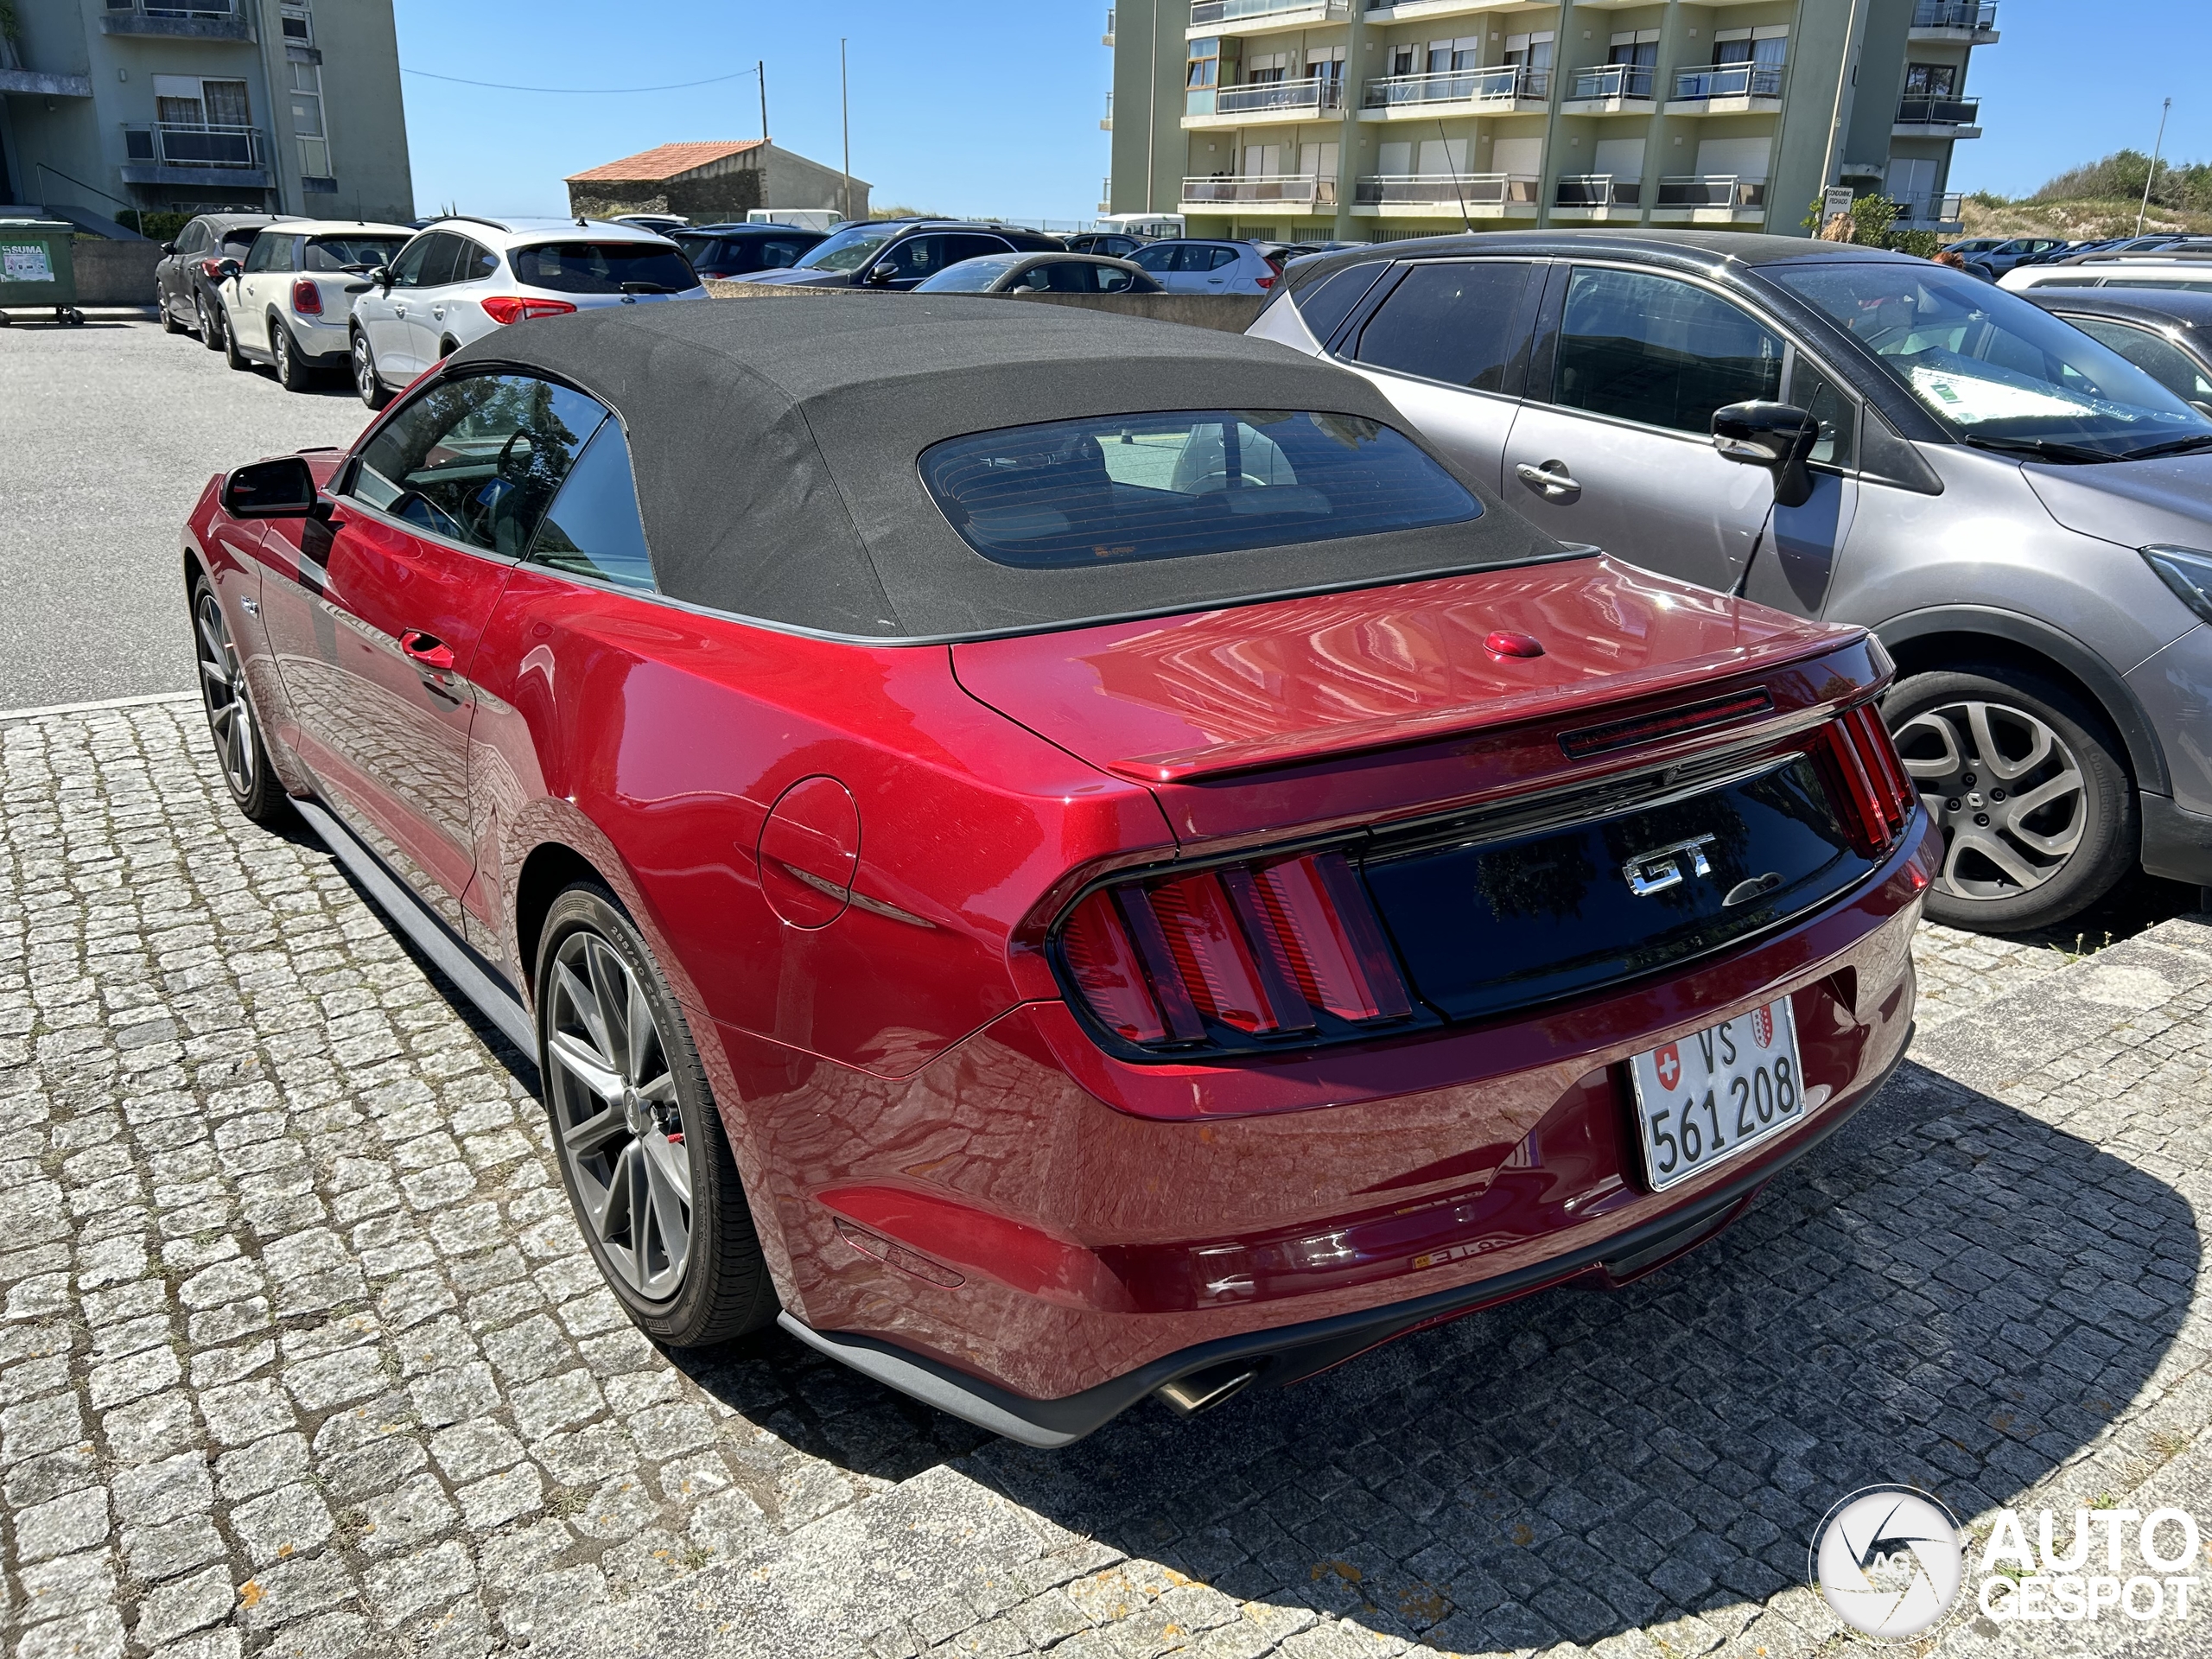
2007 790
617 1115
222 687
366 383
280 337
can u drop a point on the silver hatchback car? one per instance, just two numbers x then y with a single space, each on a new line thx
2022 515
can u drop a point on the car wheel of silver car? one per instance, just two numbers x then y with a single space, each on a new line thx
210 323
366 382
292 374
647 1167
2035 802
238 749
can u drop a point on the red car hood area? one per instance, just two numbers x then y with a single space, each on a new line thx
1179 699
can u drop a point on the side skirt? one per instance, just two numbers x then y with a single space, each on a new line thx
480 981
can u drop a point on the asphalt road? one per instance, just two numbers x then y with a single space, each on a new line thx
107 435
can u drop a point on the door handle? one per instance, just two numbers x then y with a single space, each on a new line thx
426 649
1553 478
438 311
399 308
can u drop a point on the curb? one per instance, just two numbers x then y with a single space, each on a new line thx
94 707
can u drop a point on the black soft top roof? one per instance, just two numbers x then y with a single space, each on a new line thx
775 443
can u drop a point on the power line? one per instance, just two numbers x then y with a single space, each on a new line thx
501 86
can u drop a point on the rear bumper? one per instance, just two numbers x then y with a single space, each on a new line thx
2176 843
1065 1254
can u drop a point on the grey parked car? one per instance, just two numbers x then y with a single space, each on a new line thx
2166 333
2020 514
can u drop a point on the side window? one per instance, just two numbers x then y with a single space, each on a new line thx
1219 258
264 256
925 256
1326 303
1659 352
1110 280
477 460
1461 323
593 528
193 239
407 269
2162 361
1827 403
1155 257
437 269
473 263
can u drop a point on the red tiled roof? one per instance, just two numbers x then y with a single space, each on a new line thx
666 161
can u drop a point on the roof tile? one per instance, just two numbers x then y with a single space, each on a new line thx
666 161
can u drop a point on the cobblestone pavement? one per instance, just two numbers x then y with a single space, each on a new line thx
301 1354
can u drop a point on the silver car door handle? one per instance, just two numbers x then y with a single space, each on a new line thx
1552 478
437 311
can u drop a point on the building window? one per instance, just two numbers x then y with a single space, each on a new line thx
188 101
1931 80
305 88
1202 72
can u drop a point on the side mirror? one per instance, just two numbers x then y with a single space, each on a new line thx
883 273
283 488
168 247
381 276
1777 436
226 269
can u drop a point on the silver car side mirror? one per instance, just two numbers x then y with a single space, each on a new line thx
1777 436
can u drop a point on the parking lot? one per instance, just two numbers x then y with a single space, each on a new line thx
302 1353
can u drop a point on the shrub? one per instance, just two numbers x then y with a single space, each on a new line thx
154 227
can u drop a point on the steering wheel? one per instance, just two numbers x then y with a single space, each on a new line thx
507 450
1214 483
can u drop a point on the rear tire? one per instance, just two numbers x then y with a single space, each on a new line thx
640 1145
210 323
238 749
231 354
1980 741
368 384
292 373
169 324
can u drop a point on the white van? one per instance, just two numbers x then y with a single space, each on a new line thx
2155 268
804 219
1148 228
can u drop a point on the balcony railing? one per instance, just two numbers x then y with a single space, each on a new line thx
1977 16
1711 190
1204 13
1274 187
172 143
1599 190
1729 80
1505 84
1307 95
176 8
1938 112
1612 80
1447 190
1936 208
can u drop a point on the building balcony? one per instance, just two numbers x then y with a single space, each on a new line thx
1501 91
1709 199
1310 97
1445 196
1597 197
1727 89
1968 22
1610 89
37 83
196 20
1107 38
1106 123
171 152
1938 118
1938 211
1217 17
1303 192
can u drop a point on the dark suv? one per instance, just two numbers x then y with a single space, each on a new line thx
185 281
903 253
724 250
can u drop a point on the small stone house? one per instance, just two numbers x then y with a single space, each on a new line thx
712 182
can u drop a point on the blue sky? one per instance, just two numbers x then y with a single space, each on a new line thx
2057 89
958 105
976 106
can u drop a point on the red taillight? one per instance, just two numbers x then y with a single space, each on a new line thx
212 270
307 298
512 307
1265 282
1878 794
1262 950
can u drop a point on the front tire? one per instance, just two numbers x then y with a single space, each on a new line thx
292 374
2030 787
169 324
238 749
642 1152
366 382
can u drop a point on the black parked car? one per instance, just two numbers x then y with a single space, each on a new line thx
903 253
2164 331
185 281
1112 244
740 250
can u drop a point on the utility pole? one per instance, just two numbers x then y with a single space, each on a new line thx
845 112
760 68
2156 149
1846 77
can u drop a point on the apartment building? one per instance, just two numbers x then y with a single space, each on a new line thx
286 106
1367 120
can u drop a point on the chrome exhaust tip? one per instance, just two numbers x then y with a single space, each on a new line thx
1188 1395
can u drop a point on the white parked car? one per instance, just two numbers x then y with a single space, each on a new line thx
286 304
2153 268
463 277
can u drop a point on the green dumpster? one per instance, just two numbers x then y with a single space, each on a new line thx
36 267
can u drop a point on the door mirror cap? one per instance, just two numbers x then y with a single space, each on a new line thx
1777 436
382 278
883 273
283 488
168 247
227 269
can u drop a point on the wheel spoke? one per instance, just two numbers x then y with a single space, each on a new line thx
585 1006
585 1138
661 1090
611 990
671 1168
587 1067
642 1030
1999 852
214 676
220 720
212 633
1952 759
1994 760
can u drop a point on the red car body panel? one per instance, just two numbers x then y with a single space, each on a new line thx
845 858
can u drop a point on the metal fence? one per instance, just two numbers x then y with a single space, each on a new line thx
1308 94
1712 190
1938 112
1612 80
1729 80
1204 12
173 144
1504 85
1274 187
1977 15
1447 189
1598 190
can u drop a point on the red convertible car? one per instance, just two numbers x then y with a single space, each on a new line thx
1063 858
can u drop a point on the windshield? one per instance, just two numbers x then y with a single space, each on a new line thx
344 252
1121 489
1996 370
971 276
846 250
603 268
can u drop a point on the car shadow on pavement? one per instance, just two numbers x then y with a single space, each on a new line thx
1950 1292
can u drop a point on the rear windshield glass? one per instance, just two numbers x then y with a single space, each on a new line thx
1128 488
353 253
603 268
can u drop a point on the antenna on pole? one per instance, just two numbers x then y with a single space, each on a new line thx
761 70
845 113
2156 149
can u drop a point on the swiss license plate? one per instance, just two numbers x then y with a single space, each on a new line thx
1704 1099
